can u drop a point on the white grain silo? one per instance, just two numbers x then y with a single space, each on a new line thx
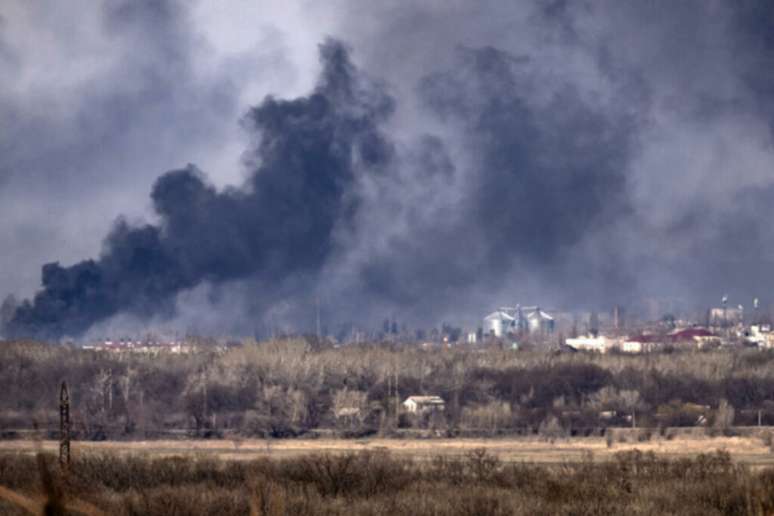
498 323
539 322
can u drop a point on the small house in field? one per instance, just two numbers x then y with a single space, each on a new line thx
422 404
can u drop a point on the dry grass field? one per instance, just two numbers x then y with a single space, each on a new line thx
750 451
465 477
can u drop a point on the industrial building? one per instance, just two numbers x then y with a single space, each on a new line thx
518 320
725 317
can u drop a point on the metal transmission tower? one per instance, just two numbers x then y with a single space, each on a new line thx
64 426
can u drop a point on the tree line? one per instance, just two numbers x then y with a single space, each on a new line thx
284 388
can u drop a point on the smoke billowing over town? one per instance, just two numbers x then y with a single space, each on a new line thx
338 165
387 257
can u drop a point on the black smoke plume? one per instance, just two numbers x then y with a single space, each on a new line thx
307 154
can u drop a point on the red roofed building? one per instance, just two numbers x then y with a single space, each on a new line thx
698 336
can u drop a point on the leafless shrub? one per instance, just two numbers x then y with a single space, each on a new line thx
482 465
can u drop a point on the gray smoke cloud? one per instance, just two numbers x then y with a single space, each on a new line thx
672 111
573 154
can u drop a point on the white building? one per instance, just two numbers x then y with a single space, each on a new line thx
518 319
499 323
761 335
724 317
421 404
632 346
539 322
600 344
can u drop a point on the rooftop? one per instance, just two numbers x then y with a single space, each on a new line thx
425 399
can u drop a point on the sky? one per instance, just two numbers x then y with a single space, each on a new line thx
231 167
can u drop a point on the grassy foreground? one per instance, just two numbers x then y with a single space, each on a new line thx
374 483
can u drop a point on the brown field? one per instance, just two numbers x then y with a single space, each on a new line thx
745 450
681 476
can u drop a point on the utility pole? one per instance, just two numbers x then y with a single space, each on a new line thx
64 427
397 399
204 397
109 388
389 392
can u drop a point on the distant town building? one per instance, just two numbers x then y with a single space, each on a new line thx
146 347
632 346
760 335
725 317
699 337
600 344
641 343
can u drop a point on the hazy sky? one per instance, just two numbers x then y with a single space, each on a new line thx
430 160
